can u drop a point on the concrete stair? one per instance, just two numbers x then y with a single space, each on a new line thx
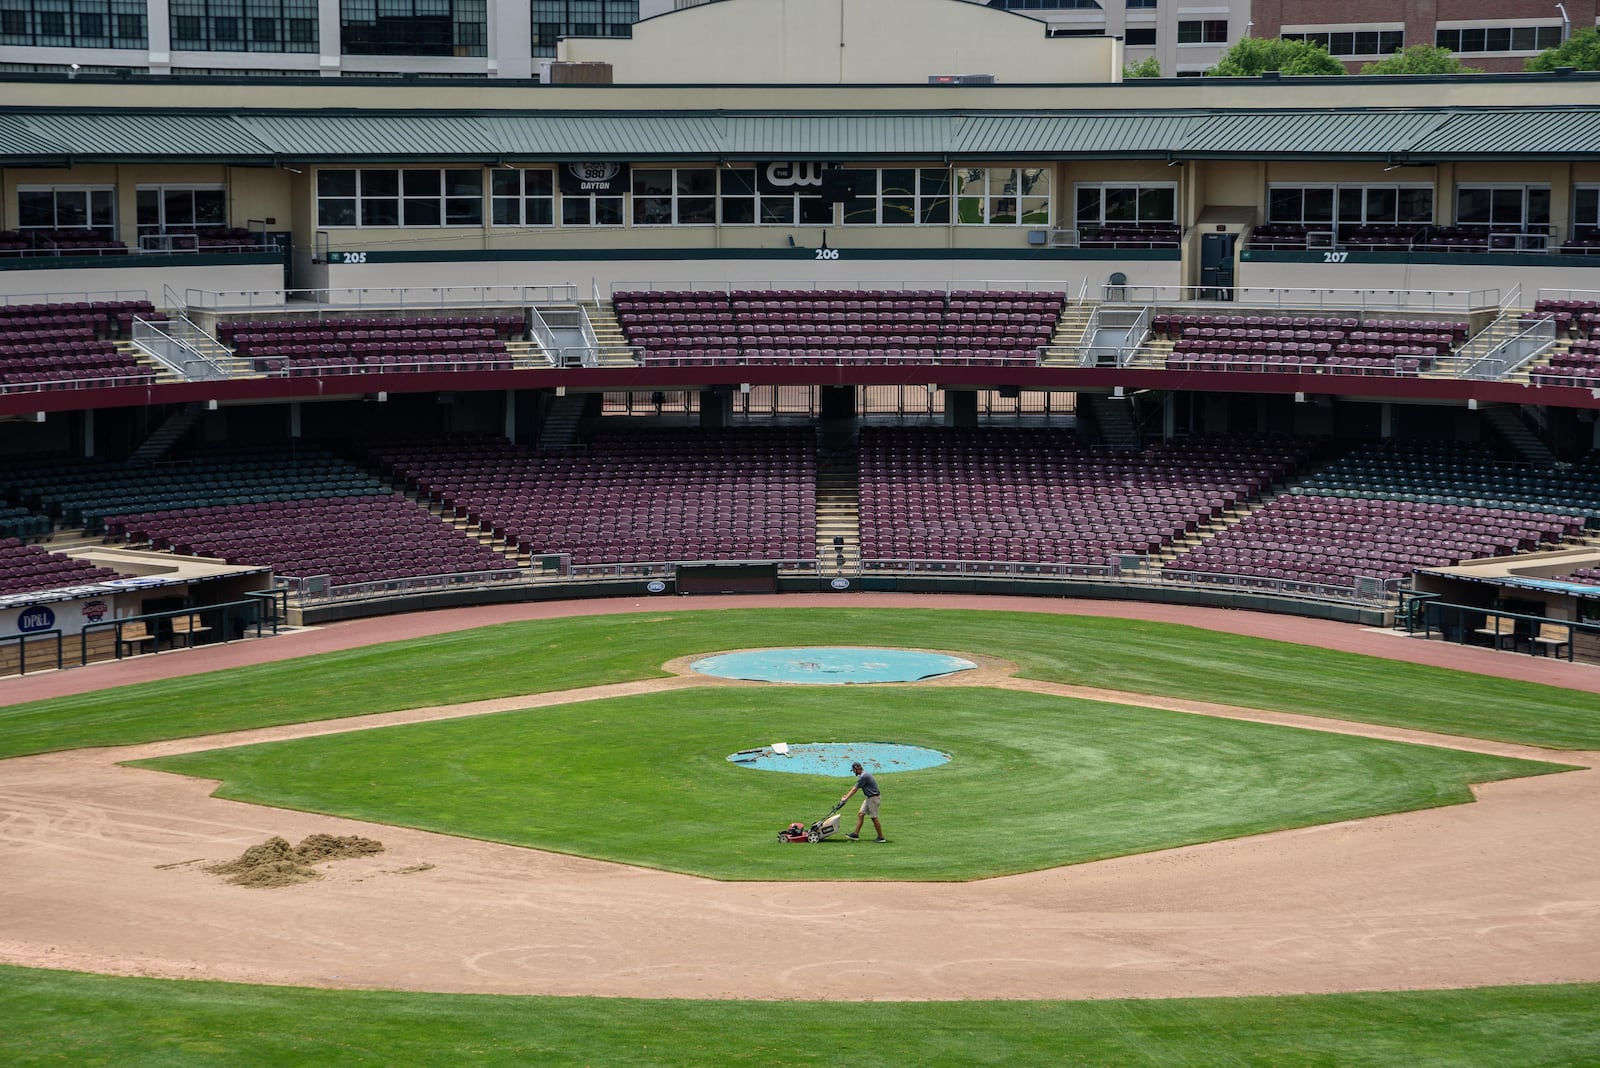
1110 420
614 348
560 427
839 515
166 435
1509 425
1068 335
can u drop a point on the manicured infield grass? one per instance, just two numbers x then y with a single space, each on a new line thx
1034 781
546 655
86 1020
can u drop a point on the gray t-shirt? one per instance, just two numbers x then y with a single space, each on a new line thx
867 784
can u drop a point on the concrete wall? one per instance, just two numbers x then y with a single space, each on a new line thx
862 42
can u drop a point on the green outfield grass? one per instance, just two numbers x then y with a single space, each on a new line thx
558 654
1034 781
84 1020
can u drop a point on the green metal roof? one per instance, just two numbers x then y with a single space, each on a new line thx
52 136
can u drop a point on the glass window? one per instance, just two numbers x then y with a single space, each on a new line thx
1140 36
591 209
1585 207
523 198
554 19
68 208
1101 204
413 27
737 196
674 197
1003 196
243 25
1520 208
898 196
73 23
1204 31
413 197
1498 38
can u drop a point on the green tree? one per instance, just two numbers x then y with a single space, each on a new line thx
1420 59
1253 55
1145 68
1581 50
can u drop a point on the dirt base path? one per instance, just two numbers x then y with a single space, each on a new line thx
103 873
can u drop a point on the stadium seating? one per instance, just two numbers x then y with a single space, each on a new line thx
992 328
355 345
661 495
66 346
1303 344
1043 496
348 540
31 569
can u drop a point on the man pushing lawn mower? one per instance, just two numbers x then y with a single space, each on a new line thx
869 802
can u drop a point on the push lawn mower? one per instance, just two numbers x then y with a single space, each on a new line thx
823 828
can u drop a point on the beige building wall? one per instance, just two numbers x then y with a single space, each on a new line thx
849 42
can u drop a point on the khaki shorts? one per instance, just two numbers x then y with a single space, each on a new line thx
869 806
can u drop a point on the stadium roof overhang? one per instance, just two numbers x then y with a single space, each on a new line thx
36 137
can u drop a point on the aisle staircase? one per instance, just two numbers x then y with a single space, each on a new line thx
1068 336
839 514
614 348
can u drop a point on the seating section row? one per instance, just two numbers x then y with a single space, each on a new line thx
1339 541
1417 237
1305 344
834 326
347 540
60 242
661 495
1044 496
82 492
31 569
1124 235
353 345
68 346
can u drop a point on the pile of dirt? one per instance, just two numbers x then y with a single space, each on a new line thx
276 863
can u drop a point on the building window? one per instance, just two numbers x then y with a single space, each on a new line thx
741 202
1208 31
1141 5
1140 36
73 23
413 198
590 209
1331 208
414 27
523 198
68 208
681 197
1355 43
1585 210
1498 38
1003 196
165 209
898 196
244 25
1046 5
1506 208
554 19
1127 205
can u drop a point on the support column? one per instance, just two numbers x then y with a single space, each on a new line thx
960 407
716 407
294 419
510 427
88 431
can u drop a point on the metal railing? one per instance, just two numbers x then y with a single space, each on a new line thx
1134 335
1509 343
227 620
381 298
1460 301
1474 624
55 636
543 324
877 285
176 344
